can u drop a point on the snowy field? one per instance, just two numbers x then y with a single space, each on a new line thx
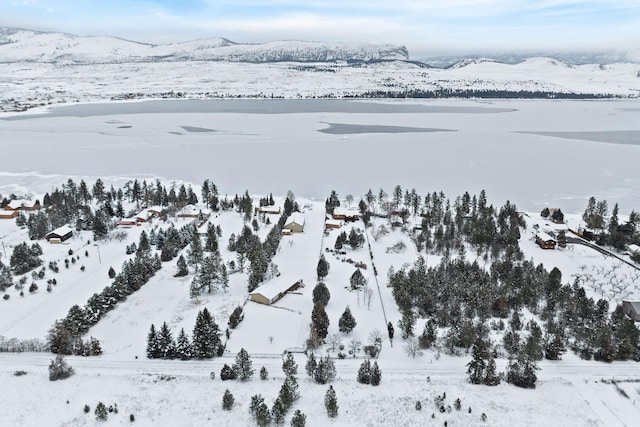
495 145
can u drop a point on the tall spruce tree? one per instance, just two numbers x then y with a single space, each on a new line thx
347 322
183 346
243 366
153 347
320 321
331 402
206 336
364 373
376 374
323 267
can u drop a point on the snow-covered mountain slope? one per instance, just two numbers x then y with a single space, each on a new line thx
30 46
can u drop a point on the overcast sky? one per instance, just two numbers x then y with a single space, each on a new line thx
426 27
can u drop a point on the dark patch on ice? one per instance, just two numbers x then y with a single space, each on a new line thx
196 129
113 122
624 137
175 133
259 106
350 129
125 127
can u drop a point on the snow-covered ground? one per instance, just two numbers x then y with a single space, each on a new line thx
277 152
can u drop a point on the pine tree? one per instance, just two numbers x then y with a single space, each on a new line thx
264 374
299 419
101 412
211 242
153 347
477 365
195 254
376 374
311 365
227 400
347 322
326 371
406 324
491 377
227 373
357 280
554 347
289 365
263 415
59 369
364 373
243 366
182 267
112 273
321 294
320 320
256 401
429 334
144 247
165 341
331 402
183 346
323 267
206 336
278 412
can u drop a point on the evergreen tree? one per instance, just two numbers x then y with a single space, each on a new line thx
227 400
376 374
347 322
278 412
182 267
263 415
562 239
195 254
166 344
211 242
477 366
364 373
243 366
522 372
323 267
256 401
153 347
407 323
101 412
320 320
236 317
299 419
491 377
112 273
325 372
144 247
331 402
227 373
264 374
289 365
206 336
311 365
100 229
321 294
59 369
183 346
429 334
357 280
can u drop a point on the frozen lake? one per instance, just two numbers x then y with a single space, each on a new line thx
535 153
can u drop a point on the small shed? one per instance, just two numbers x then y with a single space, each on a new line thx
271 210
128 223
22 205
155 210
333 223
295 223
545 241
632 309
275 289
346 214
633 249
144 215
59 235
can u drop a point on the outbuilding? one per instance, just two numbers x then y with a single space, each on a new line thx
346 214
295 223
632 309
545 241
333 223
9 214
275 289
59 235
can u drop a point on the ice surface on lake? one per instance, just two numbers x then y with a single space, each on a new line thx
509 148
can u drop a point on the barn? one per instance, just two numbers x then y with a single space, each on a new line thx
632 309
295 223
127 223
346 214
545 241
59 235
275 289
9 214
333 223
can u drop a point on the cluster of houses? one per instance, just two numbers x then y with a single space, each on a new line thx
339 217
143 216
14 207
547 232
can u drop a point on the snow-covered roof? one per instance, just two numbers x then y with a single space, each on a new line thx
21 203
350 212
194 210
144 214
544 236
270 209
634 304
336 222
60 231
295 217
633 248
276 286
556 227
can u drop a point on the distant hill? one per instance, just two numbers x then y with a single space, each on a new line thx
17 45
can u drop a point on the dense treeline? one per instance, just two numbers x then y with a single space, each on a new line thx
482 93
